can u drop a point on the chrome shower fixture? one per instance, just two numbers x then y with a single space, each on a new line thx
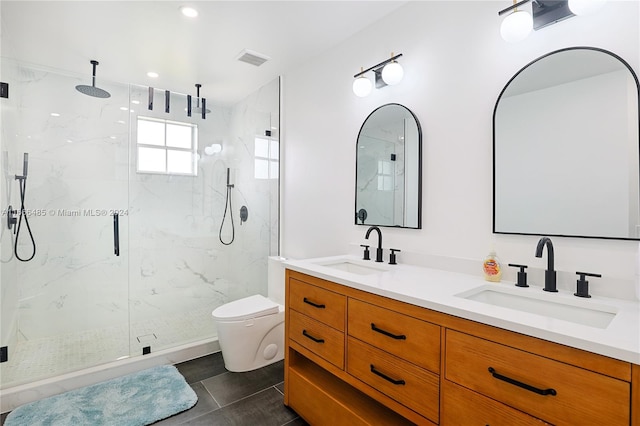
92 90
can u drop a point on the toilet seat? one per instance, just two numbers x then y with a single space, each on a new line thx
247 308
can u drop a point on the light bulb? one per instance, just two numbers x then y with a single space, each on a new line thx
189 12
585 7
392 73
362 86
517 26
213 149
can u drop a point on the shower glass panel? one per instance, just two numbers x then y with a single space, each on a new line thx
180 270
68 307
77 304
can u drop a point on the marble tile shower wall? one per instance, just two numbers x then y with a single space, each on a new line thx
82 165
78 156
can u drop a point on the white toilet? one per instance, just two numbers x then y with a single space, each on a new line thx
251 330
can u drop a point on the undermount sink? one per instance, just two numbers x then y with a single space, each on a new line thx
360 267
594 315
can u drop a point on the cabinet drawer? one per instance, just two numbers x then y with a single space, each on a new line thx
318 303
406 337
414 387
514 377
319 338
464 407
323 399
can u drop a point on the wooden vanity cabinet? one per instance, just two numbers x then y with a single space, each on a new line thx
355 358
545 388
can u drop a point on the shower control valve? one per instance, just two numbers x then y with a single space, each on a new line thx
12 220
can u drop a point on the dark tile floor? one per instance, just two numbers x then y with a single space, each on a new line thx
253 398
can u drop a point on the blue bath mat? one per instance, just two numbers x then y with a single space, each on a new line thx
140 398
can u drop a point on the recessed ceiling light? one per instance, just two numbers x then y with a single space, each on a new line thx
189 12
135 102
152 74
123 108
55 114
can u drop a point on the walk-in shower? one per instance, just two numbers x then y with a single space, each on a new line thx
80 303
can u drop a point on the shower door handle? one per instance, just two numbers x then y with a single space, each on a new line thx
116 235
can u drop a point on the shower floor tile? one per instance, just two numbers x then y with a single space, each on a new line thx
31 360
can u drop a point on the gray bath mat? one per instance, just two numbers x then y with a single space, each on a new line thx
137 399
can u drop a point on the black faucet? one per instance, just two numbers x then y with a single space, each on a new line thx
550 273
379 249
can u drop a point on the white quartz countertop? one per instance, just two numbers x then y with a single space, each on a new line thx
442 290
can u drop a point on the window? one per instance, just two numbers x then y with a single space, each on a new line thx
167 147
385 175
267 158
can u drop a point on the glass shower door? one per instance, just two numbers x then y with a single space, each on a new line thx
67 308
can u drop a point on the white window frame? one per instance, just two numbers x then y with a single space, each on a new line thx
193 149
271 161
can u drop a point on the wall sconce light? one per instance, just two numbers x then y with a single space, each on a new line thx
387 73
585 7
518 24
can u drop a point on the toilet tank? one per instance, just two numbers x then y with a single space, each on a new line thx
275 279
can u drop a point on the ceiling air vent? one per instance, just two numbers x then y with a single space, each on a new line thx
251 57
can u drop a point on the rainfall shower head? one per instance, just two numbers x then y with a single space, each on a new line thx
92 90
198 109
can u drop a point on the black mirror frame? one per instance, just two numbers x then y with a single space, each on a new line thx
495 109
419 225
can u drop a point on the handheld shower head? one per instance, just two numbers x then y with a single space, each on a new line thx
25 164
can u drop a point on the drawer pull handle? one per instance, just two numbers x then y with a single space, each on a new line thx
549 391
315 339
386 333
315 305
387 378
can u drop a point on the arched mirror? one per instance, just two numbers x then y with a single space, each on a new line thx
566 148
389 169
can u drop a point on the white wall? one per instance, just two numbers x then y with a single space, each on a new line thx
455 65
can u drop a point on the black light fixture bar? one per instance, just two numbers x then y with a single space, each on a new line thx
167 100
393 58
204 108
548 12
513 6
188 105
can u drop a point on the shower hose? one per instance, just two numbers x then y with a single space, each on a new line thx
227 204
23 214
